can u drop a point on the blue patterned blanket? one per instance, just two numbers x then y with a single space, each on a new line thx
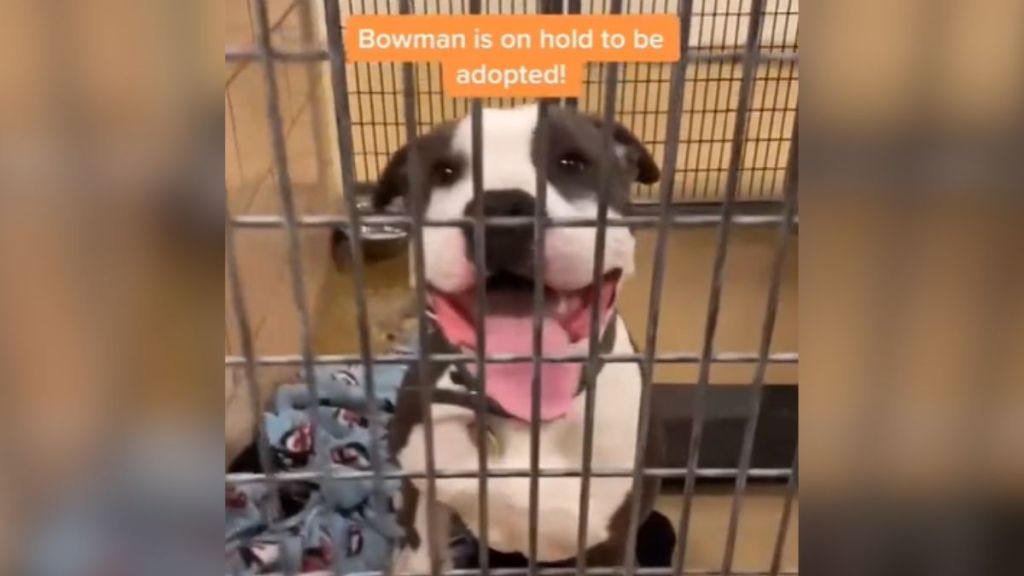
325 522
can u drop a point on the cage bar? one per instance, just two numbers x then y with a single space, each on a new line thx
417 210
672 358
704 473
768 141
784 519
252 382
315 102
699 150
234 54
721 250
284 184
648 83
540 210
677 220
675 114
767 331
339 82
558 571
364 127
590 371
479 252
481 335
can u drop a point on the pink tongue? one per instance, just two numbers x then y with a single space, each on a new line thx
509 384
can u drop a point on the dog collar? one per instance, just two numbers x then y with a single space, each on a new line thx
461 377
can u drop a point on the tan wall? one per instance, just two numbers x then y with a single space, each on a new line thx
250 177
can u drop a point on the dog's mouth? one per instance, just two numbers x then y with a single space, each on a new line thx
508 329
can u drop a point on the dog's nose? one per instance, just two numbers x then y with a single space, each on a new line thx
505 248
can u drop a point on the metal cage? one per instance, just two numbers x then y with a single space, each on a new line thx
739 68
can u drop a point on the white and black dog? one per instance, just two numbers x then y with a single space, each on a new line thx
573 157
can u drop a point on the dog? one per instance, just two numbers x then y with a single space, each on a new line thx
573 158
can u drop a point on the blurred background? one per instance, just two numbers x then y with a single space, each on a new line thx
912 308
111 288
111 236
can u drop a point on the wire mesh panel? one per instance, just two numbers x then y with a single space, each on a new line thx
642 94
721 123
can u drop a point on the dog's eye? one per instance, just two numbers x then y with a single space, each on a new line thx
445 172
573 161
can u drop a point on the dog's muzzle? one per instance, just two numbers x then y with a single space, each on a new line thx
506 248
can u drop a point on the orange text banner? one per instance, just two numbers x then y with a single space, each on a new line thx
528 55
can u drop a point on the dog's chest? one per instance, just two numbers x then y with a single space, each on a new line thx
561 448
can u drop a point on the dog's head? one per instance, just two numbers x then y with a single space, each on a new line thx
511 155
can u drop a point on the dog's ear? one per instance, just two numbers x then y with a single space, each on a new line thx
394 180
633 152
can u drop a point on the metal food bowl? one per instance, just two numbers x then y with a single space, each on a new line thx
379 241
